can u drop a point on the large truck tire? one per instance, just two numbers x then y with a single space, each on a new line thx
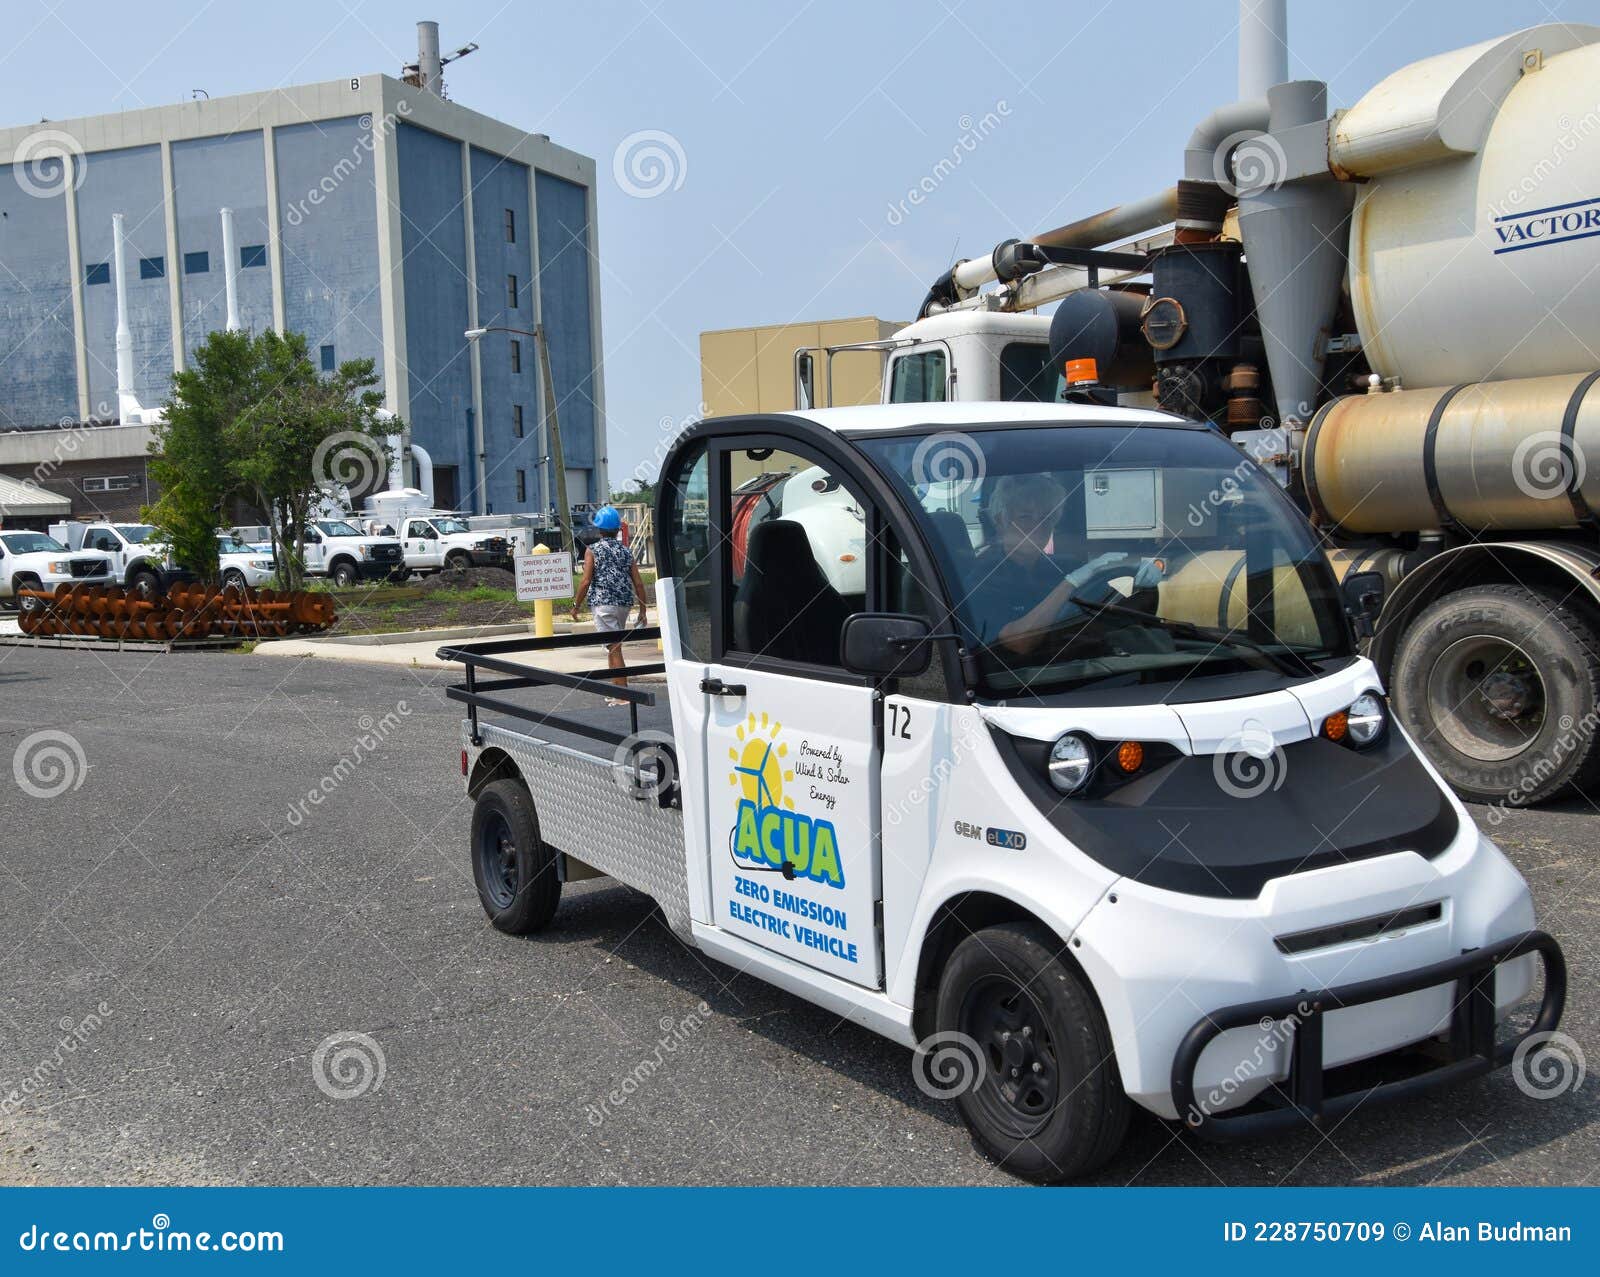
1043 1098
1500 687
515 871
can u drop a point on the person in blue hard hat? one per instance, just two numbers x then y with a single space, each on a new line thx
611 581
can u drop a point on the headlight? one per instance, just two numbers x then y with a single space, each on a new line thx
61 567
1368 716
1071 762
261 565
366 552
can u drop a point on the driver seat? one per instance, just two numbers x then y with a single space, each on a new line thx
784 606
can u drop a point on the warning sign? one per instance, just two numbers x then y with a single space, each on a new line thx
544 576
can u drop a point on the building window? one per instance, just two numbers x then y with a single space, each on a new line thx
152 268
109 483
511 291
197 263
253 255
511 226
516 420
522 485
97 273
328 364
516 355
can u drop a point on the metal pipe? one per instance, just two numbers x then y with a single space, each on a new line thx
230 270
429 69
127 402
423 461
1263 46
1121 222
1201 159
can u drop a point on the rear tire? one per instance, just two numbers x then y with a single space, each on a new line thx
1500 686
515 871
1048 1104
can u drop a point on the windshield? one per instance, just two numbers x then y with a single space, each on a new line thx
1081 555
32 543
137 533
232 545
448 526
337 528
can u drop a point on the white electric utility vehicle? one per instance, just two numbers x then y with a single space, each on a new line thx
1084 781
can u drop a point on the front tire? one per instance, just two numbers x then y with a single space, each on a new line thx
145 583
1048 1105
26 605
515 871
344 574
457 562
233 579
1500 687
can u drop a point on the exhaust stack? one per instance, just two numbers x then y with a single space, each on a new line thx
1263 46
230 270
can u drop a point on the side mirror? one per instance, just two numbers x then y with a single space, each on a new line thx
1363 600
889 644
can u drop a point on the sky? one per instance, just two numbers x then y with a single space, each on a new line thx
754 159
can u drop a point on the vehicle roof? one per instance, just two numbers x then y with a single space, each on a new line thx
954 323
952 416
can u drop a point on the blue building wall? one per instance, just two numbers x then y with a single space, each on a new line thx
127 182
433 241
564 300
498 185
208 175
328 216
38 373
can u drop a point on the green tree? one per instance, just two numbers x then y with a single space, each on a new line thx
189 458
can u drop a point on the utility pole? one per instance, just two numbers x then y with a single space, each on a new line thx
558 458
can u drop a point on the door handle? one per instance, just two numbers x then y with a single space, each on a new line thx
716 687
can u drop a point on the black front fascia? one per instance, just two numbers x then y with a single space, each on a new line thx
1177 828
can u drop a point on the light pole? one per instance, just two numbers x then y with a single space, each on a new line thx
552 426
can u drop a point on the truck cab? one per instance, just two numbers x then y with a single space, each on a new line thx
338 550
138 561
436 542
35 561
1080 787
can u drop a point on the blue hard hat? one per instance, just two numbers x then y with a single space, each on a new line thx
606 518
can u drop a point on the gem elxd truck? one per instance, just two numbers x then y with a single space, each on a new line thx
1075 780
1391 308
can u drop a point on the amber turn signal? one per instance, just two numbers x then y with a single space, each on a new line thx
1334 726
1130 756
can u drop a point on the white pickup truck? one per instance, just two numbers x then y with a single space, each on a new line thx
446 543
34 561
337 550
137 560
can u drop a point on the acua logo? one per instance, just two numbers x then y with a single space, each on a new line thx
767 829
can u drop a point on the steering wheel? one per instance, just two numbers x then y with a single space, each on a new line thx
1100 580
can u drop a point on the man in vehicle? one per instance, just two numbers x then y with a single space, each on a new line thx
610 572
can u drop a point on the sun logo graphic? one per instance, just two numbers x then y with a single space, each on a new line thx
767 829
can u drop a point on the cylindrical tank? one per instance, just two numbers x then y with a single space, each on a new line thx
1471 268
1488 456
1103 325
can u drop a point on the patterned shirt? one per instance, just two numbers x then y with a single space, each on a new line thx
613 578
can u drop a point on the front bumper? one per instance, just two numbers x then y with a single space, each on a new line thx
1302 1098
491 559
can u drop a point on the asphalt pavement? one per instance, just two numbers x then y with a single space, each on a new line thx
208 975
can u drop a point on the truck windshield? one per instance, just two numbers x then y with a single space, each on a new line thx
336 528
31 543
1081 555
449 527
135 533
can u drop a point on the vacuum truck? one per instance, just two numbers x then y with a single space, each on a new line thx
1387 307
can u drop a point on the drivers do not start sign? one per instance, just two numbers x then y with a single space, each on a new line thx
543 576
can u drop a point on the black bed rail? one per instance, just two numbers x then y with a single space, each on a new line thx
489 656
1301 1098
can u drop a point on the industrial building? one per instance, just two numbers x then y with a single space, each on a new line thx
371 213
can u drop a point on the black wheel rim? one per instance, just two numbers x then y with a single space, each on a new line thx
1022 1075
497 860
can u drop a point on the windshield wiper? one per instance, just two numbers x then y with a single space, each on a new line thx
1298 667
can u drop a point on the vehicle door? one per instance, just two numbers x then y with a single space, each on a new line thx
921 374
105 541
422 544
792 744
316 552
